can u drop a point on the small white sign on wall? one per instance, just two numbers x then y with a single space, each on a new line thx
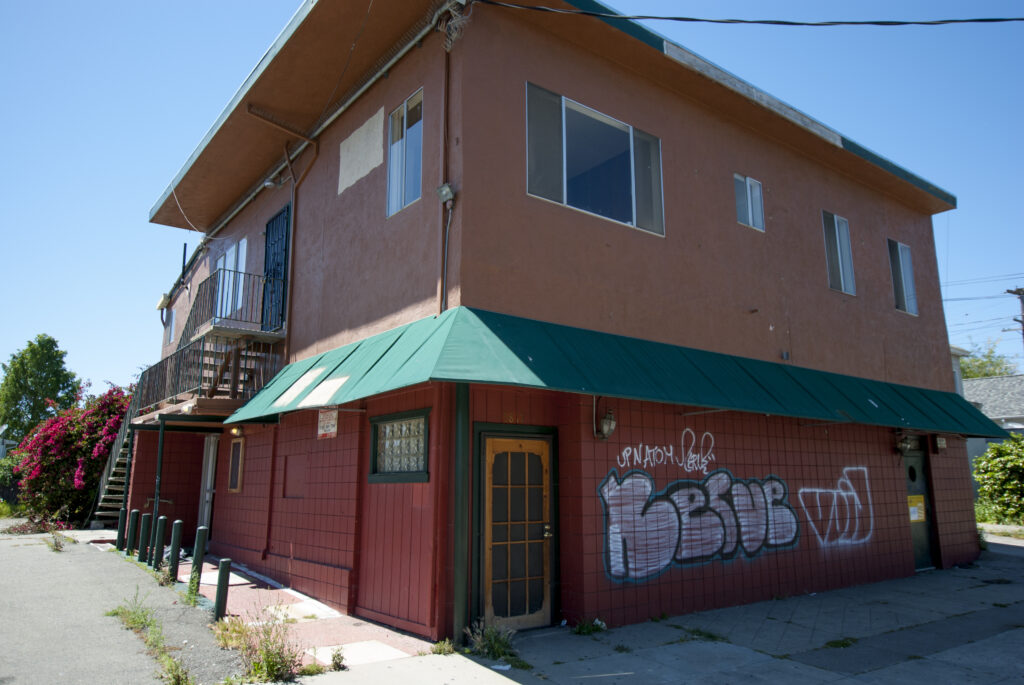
327 425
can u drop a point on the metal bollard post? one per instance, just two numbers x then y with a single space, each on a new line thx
221 603
172 566
197 558
122 520
144 528
133 528
156 558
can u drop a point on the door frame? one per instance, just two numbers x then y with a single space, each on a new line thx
924 453
481 433
208 481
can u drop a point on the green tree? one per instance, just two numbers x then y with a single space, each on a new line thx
36 385
984 362
1000 476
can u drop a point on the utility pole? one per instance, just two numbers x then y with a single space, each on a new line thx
1019 292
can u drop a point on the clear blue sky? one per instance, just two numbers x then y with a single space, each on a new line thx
103 103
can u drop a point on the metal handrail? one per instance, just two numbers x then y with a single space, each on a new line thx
232 298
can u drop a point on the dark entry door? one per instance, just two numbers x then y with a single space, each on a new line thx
275 271
518 533
919 509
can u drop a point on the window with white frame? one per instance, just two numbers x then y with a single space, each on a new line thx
169 327
230 266
581 158
749 204
405 153
838 255
902 277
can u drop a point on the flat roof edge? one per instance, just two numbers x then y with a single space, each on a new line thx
712 71
300 16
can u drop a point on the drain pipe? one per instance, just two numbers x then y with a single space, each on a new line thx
296 182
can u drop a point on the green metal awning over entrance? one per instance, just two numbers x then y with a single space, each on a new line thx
467 345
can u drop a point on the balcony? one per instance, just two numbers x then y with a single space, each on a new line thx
227 349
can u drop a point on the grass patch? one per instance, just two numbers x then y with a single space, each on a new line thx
516 662
140 619
444 647
312 669
842 643
661 617
8 510
489 641
706 635
589 627
623 649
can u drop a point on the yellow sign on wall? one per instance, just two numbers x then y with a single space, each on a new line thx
916 504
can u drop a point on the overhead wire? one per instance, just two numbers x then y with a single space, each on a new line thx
763 22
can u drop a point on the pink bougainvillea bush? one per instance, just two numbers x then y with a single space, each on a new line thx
63 457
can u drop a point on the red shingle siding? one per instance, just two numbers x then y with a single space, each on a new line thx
179 481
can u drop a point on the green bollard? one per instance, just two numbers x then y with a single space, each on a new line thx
122 519
221 603
156 558
144 537
133 528
197 560
172 566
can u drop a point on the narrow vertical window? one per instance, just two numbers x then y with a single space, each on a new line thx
405 153
749 203
170 326
838 254
902 267
584 159
235 465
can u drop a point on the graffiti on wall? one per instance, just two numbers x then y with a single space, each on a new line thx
694 454
841 515
691 521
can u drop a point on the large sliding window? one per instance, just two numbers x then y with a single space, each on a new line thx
405 153
581 158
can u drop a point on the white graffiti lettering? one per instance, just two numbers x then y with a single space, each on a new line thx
699 458
693 456
842 515
690 521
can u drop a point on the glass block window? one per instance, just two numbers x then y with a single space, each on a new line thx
400 448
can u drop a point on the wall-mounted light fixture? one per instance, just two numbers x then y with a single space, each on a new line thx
445 192
604 429
165 301
236 431
907 443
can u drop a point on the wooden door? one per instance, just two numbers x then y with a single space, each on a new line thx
518 533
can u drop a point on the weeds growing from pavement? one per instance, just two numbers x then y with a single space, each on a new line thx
445 647
589 627
139 618
338 659
264 644
494 643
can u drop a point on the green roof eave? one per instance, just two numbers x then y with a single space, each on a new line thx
466 345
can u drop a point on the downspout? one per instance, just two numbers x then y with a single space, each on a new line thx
461 485
444 225
270 493
291 242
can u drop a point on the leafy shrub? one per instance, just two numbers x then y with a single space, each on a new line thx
62 458
1000 476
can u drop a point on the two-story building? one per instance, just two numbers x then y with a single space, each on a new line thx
530 316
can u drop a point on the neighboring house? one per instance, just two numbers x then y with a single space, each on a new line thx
958 353
1000 398
657 342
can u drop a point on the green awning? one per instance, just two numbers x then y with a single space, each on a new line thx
467 345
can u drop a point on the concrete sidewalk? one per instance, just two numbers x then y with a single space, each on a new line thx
955 625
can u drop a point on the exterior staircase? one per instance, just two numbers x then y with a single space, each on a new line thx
113 494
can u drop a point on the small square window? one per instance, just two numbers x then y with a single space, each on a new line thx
902 277
235 465
838 254
405 153
400 448
749 203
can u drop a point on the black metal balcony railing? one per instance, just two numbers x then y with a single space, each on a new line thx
235 299
210 367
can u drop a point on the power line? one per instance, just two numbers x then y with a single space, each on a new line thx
965 299
763 22
986 279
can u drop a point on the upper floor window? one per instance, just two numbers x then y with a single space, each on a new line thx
579 157
231 279
169 327
838 255
902 277
749 205
405 153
